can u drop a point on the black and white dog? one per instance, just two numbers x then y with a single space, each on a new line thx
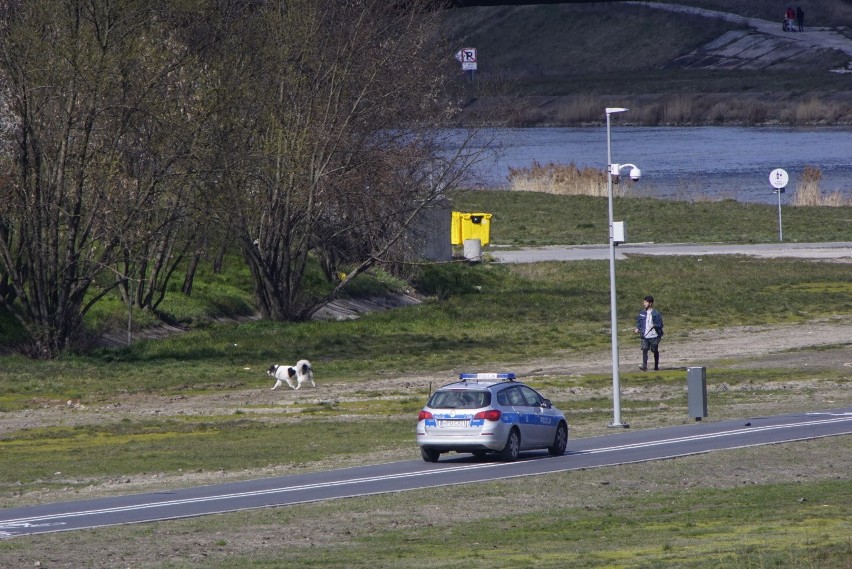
301 371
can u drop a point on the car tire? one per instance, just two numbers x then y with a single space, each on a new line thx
429 454
513 446
560 441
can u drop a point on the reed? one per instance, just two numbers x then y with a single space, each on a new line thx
560 179
662 110
569 180
808 192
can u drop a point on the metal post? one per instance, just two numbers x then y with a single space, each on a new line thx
780 231
616 387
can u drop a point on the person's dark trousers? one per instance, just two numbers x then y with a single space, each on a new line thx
652 345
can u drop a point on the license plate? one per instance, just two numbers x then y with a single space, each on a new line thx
445 423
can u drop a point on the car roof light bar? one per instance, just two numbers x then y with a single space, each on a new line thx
483 376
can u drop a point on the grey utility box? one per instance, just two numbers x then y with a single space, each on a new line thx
696 388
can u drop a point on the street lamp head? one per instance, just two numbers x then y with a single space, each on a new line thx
612 110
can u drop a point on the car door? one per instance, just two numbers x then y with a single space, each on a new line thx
515 410
541 422
525 416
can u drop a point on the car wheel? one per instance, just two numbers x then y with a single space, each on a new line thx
560 441
429 454
513 446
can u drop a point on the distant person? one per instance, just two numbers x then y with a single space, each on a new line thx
800 18
790 18
649 326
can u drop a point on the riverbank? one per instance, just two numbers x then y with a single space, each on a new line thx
692 164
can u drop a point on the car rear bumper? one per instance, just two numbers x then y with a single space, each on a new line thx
493 440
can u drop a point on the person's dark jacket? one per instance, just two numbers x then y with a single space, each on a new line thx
656 319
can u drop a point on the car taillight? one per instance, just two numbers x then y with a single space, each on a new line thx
490 415
424 415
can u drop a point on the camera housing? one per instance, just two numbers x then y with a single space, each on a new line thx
635 174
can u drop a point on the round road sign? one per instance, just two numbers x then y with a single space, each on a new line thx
779 178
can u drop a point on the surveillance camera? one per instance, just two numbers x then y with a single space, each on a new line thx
635 174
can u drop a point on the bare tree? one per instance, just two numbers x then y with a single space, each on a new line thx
329 129
96 100
304 129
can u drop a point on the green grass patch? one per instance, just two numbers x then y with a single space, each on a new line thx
51 456
521 312
741 527
528 219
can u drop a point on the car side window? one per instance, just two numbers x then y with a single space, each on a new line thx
503 398
533 399
516 398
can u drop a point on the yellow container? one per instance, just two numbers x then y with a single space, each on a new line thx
470 226
455 229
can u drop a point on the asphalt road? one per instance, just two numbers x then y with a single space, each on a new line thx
841 250
623 446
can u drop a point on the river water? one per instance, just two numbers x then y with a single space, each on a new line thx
681 162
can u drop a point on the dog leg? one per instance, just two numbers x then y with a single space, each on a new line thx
277 385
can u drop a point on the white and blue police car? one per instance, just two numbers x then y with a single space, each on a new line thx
489 413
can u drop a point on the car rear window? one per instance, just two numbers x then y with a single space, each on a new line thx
459 399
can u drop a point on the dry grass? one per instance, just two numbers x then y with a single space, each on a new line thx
569 180
664 109
560 179
808 192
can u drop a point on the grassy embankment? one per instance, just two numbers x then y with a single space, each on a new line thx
643 516
562 64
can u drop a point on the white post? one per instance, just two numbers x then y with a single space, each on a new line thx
616 387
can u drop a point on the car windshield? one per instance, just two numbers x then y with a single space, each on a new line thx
459 399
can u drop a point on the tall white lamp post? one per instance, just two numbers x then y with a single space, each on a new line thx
635 173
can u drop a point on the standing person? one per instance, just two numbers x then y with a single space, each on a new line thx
791 18
649 325
800 18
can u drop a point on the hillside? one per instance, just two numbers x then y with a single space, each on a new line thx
711 62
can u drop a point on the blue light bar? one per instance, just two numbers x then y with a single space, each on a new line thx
478 376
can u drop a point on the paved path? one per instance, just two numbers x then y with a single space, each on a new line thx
744 49
839 250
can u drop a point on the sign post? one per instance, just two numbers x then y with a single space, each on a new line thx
467 57
778 178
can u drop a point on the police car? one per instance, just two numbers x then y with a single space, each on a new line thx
489 413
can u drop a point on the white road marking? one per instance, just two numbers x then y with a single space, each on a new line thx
282 490
713 435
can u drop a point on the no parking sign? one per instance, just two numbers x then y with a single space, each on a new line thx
467 57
